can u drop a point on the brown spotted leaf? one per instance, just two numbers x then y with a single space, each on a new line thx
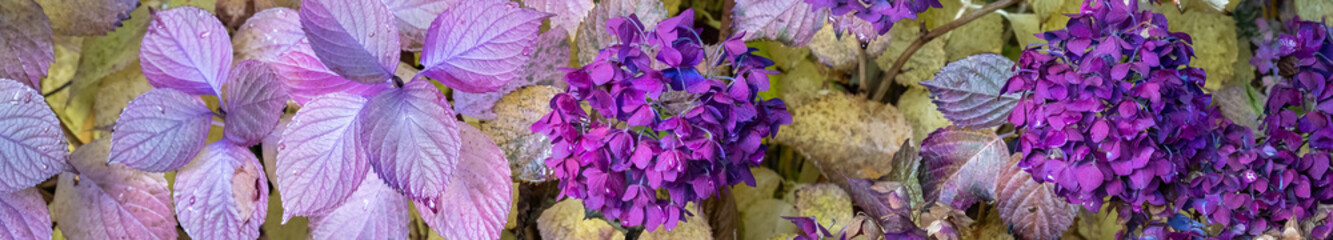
526 151
959 165
1031 209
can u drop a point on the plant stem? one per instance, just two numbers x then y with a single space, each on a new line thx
931 35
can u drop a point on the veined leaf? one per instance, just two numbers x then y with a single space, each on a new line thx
1031 209
25 215
186 49
959 165
476 202
568 13
160 131
412 139
87 18
254 99
414 17
320 159
223 194
268 34
479 46
792 22
542 69
374 211
32 146
26 50
111 201
967 91
354 38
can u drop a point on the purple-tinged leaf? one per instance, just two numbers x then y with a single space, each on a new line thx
26 50
186 49
374 211
32 146
959 165
888 202
223 194
967 91
593 33
268 34
320 159
1031 209
354 38
792 22
412 139
479 46
254 99
160 131
475 205
24 214
542 69
413 18
306 77
88 17
568 13
111 201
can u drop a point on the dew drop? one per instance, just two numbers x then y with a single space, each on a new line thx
161 110
282 147
205 34
511 5
120 197
372 34
27 100
44 166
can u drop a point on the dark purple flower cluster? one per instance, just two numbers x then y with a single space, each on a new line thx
1257 187
880 13
642 120
1111 108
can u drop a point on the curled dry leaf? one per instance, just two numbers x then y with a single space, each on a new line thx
959 165
847 134
593 35
1031 209
828 203
566 220
526 151
967 91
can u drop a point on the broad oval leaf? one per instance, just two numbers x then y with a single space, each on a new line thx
475 205
848 134
374 211
479 46
959 165
268 34
568 13
593 35
254 99
111 201
25 215
160 131
354 38
412 139
186 49
526 150
88 17
542 69
26 50
1031 209
792 22
32 144
321 160
306 77
223 194
967 91
414 17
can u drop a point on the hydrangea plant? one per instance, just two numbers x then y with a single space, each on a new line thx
655 123
1111 108
879 13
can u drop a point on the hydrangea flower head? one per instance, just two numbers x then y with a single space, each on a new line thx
656 123
1111 108
880 13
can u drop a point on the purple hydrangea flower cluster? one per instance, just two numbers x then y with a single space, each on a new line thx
880 13
1111 108
1256 187
654 124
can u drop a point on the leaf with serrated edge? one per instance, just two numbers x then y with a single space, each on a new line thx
306 77
593 35
792 22
967 91
374 211
479 46
1031 209
25 215
186 49
32 146
268 34
160 131
412 139
87 18
254 99
414 17
476 202
568 13
320 158
542 69
354 38
26 50
111 201
958 165
223 194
